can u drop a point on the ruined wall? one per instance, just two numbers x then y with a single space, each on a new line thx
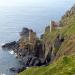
27 36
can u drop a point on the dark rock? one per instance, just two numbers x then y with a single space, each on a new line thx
26 60
35 62
58 41
10 45
25 31
17 70
39 49
14 70
31 60
30 51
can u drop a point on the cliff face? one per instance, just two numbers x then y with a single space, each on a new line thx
27 36
52 43
29 42
67 17
62 40
68 48
59 48
28 47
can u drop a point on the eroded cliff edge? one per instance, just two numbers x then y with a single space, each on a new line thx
57 46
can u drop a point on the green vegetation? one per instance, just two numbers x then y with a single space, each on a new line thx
64 63
64 66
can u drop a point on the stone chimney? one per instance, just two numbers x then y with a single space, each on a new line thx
27 36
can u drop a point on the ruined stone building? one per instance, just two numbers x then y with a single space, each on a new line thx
29 43
54 25
27 37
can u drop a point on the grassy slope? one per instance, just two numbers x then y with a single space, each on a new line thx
68 31
65 65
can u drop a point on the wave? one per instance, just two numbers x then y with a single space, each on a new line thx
11 52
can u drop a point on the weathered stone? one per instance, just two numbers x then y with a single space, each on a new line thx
29 49
10 45
27 37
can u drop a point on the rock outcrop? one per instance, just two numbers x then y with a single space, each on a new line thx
51 49
28 48
59 48
69 14
35 52
11 45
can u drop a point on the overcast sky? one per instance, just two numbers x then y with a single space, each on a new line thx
35 2
35 14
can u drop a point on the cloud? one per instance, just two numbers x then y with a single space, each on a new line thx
14 2
27 2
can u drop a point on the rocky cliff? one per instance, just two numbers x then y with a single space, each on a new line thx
56 47
61 40
59 48
28 48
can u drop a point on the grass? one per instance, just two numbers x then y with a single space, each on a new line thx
64 66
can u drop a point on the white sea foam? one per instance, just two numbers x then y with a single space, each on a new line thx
11 52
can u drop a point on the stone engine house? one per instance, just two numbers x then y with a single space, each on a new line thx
28 37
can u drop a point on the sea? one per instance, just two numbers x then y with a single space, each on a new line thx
14 18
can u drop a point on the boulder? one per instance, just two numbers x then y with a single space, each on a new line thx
17 70
10 45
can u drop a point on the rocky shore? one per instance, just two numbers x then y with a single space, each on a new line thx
29 49
33 51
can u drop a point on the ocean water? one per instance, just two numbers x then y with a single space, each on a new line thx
36 16
14 18
7 61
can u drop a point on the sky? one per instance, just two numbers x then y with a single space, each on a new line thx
35 14
35 3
